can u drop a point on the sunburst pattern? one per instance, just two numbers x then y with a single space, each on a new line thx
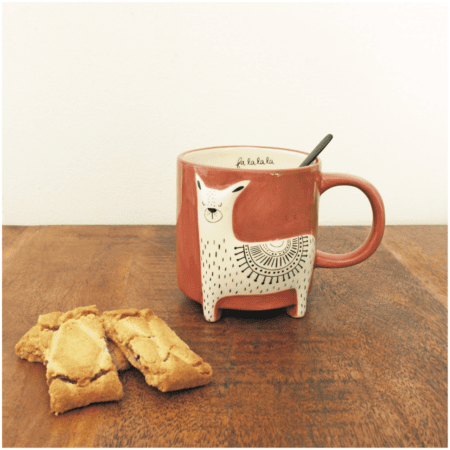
273 261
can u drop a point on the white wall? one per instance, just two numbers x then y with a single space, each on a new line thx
100 98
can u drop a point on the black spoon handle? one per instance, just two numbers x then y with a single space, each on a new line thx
315 153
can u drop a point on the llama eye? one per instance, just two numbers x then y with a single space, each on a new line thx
239 189
198 184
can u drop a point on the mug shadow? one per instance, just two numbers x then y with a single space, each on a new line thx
195 308
254 315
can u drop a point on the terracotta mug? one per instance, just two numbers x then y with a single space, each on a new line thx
247 220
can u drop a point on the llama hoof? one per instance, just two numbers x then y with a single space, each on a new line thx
214 316
295 312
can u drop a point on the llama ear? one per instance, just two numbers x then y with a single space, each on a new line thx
199 182
238 187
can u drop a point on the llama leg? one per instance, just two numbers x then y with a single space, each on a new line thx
303 282
299 309
210 310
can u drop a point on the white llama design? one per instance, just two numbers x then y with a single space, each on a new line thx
232 267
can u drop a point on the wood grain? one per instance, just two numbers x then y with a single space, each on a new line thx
366 366
423 250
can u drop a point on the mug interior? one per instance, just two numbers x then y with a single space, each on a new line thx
246 157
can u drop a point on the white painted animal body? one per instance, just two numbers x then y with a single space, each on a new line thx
232 267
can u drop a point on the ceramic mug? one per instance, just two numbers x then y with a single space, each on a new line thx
247 220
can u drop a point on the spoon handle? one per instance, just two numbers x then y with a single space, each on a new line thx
315 153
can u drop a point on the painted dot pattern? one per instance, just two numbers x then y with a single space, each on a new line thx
231 267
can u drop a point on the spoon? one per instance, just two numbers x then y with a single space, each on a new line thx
315 153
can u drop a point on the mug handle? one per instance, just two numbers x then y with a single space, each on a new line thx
329 260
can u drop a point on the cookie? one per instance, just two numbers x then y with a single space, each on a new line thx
30 348
153 348
118 358
80 370
36 341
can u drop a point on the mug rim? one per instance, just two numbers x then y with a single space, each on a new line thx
315 164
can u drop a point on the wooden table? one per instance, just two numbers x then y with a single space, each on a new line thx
366 366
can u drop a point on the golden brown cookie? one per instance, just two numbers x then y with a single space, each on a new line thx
152 347
35 341
29 347
80 370
118 358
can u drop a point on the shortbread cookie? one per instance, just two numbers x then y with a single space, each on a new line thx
30 348
36 341
118 358
152 347
80 370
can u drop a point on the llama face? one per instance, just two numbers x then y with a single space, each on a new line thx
216 204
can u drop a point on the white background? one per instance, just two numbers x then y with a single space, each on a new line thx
100 98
